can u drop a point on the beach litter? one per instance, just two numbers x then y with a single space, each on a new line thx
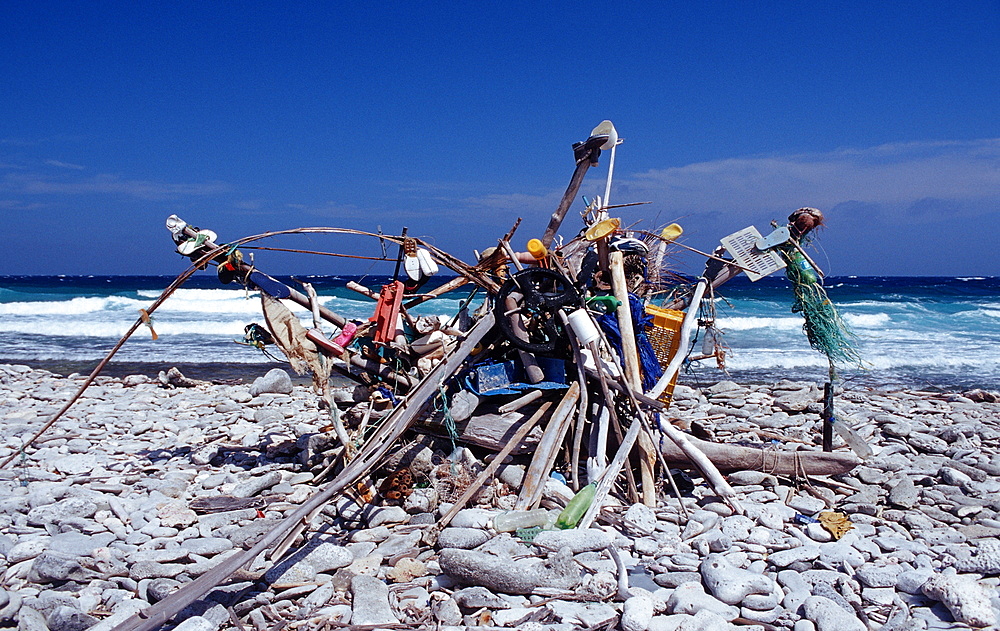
531 462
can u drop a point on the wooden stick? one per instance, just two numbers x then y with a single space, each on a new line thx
491 468
520 402
361 289
582 165
633 373
630 354
547 449
454 283
604 486
727 273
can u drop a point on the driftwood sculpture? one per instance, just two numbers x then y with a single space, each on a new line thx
543 310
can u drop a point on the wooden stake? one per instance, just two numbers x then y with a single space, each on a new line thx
633 373
548 448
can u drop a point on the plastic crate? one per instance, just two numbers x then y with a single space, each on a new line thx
664 335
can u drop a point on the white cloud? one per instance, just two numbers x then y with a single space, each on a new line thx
16 204
895 177
64 165
37 184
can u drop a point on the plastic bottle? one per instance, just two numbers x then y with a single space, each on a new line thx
516 519
801 268
537 249
577 507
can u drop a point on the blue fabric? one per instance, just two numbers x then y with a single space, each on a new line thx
641 321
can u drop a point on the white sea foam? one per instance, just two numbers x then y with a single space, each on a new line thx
867 320
758 322
74 306
93 328
197 294
922 357
984 312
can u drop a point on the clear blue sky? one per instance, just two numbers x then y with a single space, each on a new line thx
455 119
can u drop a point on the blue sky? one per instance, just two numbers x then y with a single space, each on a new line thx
454 120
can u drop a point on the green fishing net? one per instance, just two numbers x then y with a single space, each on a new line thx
824 328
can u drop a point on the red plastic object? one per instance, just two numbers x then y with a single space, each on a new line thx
387 312
328 346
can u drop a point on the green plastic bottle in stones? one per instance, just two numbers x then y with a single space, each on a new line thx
577 507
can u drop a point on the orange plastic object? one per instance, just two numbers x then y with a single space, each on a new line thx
387 312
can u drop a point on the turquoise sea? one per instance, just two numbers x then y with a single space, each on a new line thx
924 332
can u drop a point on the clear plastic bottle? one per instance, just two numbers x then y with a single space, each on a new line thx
515 519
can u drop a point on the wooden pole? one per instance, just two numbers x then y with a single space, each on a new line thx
582 165
633 373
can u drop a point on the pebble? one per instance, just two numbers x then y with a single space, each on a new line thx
116 531
370 602
966 599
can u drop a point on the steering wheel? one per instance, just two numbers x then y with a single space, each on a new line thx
527 308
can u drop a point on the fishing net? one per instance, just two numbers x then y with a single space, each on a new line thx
824 328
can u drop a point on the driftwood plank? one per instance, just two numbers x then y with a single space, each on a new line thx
494 431
548 448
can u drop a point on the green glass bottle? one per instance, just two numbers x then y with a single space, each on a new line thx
574 511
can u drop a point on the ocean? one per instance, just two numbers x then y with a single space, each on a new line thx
918 332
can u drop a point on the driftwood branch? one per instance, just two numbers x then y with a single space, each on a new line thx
515 440
729 458
567 200
548 448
